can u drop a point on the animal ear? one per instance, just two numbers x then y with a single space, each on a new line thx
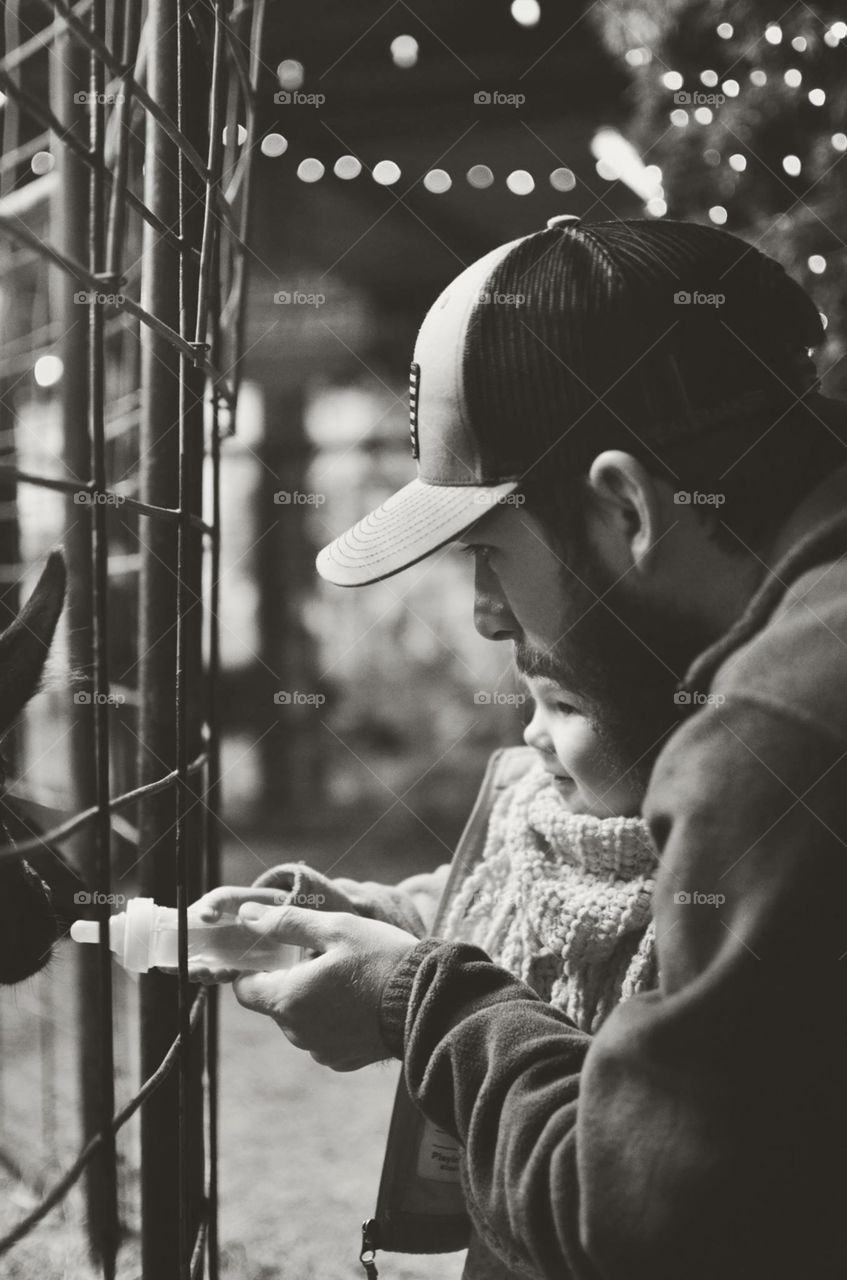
25 643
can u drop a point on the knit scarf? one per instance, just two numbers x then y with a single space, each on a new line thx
562 901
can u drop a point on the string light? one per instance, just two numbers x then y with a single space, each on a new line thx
438 181
738 162
639 57
48 370
718 214
386 173
817 263
563 179
758 78
725 30
347 167
773 33
290 74
679 117
817 97
712 157
709 78
792 165
480 176
799 43
273 144
656 207
704 115
520 183
310 170
839 141
793 78
42 162
526 13
672 80
240 135
731 88
404 51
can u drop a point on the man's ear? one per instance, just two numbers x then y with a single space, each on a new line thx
630 508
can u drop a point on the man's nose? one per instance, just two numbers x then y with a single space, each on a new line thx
492 616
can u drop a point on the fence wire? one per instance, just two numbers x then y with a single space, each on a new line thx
128 137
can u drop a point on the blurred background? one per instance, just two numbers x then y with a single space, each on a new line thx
395 144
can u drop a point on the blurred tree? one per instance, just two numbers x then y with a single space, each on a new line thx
743 106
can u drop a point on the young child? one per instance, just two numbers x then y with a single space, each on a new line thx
557 887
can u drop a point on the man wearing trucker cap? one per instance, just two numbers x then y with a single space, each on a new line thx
624 420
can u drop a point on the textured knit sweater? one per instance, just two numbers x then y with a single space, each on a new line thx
561 900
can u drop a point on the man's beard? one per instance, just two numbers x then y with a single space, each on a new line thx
624 656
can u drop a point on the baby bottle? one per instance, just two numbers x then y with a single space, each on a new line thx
145 936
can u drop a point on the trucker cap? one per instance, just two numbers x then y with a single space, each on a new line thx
570 340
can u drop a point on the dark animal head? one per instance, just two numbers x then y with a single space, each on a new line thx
33 913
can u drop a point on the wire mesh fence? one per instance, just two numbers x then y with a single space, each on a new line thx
128 134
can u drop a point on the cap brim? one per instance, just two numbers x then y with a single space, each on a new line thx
409 526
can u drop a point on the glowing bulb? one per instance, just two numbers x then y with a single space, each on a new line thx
386 173
817 263
758 78
48 370
672 80
638 57
290 74
817 97
526 13
704 115
791 165
480 176
712 157
824 320
438 181
347 167
773 33
240 135
737 162
679 117
725 30
310 170
718 214
42 162
656 207
839 141
273 144
731 88
606 171
562 179
838 30
404 51
799 43
793 78
520 183
709 78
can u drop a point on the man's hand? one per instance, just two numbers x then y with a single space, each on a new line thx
329 1005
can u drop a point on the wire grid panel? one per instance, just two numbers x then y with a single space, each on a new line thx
128 136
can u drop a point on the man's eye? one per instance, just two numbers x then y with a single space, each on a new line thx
566 708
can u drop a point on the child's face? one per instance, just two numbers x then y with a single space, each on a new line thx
573 753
